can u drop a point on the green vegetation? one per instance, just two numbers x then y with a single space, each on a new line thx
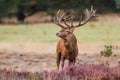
24 8
46 33
118 3
107 51
32 78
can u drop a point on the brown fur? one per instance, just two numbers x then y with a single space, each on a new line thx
67 49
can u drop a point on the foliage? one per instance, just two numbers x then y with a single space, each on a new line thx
32 78
10 8
32 6
118 4
107 51
81 72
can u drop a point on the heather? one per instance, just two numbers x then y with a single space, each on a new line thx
79 72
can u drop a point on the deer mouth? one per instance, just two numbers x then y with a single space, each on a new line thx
62 37
58 35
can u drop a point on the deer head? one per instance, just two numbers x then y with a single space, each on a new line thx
63 17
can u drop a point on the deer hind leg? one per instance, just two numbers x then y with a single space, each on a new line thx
63 60
74 61
58 59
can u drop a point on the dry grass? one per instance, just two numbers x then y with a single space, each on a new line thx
32 59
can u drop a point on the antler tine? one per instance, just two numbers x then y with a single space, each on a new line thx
88 14
68 18
58 12
57 19
72 24
65 17
58 16
64 14
62 17
93 11
80 20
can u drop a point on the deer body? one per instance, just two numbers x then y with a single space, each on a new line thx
67 47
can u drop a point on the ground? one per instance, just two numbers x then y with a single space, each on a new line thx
38 57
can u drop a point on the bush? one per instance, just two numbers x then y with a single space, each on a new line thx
107 51
118 4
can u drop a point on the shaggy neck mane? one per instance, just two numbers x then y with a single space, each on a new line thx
70 43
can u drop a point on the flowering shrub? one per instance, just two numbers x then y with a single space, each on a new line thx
81 72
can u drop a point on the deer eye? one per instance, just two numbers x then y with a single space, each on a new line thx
68 31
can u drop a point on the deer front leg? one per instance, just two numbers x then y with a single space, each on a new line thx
71 62
58 59
74 61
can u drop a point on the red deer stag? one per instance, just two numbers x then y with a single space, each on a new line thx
67 47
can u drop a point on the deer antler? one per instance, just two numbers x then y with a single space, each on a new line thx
57 19
88 14
65 17
62 17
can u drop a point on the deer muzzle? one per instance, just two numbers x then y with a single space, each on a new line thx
58 34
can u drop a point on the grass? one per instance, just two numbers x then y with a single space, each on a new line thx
46 33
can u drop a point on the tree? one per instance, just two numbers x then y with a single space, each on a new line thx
24 8
118 4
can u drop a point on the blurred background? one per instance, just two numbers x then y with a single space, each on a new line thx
14 11
27 22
